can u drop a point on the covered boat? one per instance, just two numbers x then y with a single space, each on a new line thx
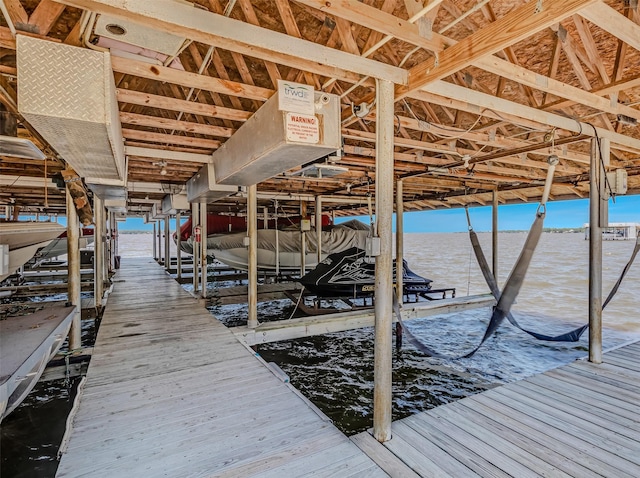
218 224
351 274
285 252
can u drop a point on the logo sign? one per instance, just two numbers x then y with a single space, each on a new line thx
302 128
295 97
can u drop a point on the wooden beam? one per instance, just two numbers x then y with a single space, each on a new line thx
371 17
45 15
375 19
611 21
166 123
515 26
323 324
164 154
483 101
17 13
139 135
174 104
190 80
534 80
233 35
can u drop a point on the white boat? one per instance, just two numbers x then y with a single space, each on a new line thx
286 251
24 239
27 343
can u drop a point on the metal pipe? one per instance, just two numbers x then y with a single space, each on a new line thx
178 246
203 250
73 264
595 256
382 398
167 252
494 234
303 239
98 253
399 240
319 227
252 229
155 249
159 239
195 222
277 240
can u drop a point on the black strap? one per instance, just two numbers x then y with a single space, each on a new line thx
506 300
572 336
624 273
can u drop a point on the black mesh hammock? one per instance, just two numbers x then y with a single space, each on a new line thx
513 284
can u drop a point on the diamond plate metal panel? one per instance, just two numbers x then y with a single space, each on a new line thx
68 95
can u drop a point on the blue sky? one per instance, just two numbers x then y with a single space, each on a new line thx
516 216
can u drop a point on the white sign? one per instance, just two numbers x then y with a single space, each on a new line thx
302 128
296 97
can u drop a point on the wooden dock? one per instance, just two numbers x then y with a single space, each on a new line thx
171 392
580 420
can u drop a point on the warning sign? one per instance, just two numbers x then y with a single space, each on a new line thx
302 128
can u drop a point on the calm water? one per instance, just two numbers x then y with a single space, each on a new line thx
335 371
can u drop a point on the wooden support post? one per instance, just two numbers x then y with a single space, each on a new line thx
595 255
382 397
252 277
203 250
319 227
195 222
73 264
98 253
155 248
399 240
277 241
265 218
494 234
178 246
167 236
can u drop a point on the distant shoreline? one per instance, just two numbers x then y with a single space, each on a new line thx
564 230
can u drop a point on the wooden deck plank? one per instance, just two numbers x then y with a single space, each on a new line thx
171 392
499 437
528 438
474 461
580 420
582 409
424 457
389 462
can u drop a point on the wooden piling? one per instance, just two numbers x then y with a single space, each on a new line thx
73 262
382 398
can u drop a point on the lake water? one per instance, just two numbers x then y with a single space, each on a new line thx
335 371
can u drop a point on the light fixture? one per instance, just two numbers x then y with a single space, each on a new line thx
163 167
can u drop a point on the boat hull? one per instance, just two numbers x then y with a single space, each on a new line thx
27 343
24 239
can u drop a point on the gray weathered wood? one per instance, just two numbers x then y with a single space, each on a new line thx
171 392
